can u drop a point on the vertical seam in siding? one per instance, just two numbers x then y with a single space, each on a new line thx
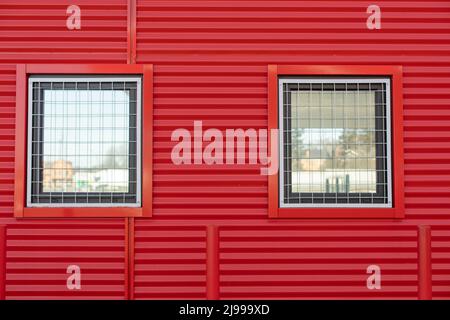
425 277
130 231
126 259
2 262
129 222
212 263
20 132
131 31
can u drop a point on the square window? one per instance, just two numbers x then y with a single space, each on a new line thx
79 140
335 142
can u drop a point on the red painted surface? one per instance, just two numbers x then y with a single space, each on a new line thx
131 31
210 63
39 252
2 261
212 263
127 275
425 281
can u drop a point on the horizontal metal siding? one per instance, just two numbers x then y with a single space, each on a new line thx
170 262
38 255
222 98
36 32
39 251
440 236
210 64
7 117
321 262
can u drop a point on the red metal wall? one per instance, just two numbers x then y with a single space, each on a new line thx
39 251
210 60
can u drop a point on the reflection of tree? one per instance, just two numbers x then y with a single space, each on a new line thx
350 138
353 149
336 157
297 148
358 145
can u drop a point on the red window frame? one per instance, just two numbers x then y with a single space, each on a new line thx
23 71
395 73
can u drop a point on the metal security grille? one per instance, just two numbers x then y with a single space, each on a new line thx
335 142
84 141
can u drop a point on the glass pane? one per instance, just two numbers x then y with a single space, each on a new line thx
333 141
85 141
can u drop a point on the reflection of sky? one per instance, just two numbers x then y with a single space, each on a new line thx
78 123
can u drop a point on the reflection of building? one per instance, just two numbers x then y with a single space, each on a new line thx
58 176
103 180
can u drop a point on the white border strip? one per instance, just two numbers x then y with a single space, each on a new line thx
325 79
83 78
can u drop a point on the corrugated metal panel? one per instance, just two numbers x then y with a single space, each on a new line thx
440 237
38 255
170 262
39 251
223 97
317 262
7 107
210 64
36 32
211 61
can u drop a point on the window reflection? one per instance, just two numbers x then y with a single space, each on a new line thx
333 141
86 141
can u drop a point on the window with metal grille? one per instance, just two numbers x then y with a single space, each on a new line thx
335 142
84 137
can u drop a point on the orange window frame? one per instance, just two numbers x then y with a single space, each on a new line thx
395 73
23 71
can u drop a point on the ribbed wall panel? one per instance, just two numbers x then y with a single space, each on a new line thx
222 97
39 253
440 258
211 64
36 32
210 61
170 262
322 262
